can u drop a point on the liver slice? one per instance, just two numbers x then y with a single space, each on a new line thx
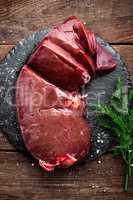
69 56
51 121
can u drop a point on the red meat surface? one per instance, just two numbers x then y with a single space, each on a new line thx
69 56
51 121
49 108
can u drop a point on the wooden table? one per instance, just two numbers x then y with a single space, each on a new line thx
20 179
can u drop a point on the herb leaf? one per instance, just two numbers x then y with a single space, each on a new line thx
118 118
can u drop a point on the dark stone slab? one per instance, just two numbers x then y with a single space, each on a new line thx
9 70
100 90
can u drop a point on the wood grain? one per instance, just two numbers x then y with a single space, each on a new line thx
112 19
4 49
98 180
20 178
4 144
126 52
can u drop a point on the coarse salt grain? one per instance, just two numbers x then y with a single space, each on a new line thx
99 161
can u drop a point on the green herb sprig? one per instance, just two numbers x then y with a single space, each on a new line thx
117 117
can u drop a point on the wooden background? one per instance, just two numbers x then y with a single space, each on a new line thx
20 179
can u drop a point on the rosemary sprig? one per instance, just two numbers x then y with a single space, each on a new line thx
117 117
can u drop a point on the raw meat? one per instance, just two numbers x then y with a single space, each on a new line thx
69 56
51 121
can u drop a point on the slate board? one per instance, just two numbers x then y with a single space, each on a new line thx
9 71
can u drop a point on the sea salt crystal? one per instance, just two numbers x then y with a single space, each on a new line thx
99 161
93 186
97 151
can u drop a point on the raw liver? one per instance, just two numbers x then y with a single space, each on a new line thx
51 121
69 56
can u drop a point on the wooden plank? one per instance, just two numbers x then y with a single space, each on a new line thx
101 179
19 179
4 49
4 144
124 50
113 19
